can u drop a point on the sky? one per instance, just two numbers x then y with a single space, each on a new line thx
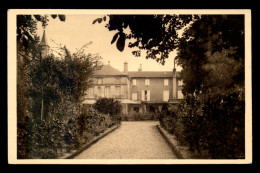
78 30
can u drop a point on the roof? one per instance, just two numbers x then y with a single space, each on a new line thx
107 70
44 39
152 74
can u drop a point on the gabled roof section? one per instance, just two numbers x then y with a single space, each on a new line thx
44 40
152 74
107 70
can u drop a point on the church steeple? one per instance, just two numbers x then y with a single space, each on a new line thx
44 45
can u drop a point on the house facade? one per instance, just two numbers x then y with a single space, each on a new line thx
153 89
139 91
108 82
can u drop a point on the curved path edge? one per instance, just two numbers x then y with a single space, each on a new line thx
87 145
181 152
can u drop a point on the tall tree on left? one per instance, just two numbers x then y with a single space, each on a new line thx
27 40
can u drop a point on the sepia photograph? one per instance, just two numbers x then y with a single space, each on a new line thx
129 86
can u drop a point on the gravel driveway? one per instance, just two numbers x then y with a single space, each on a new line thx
132 140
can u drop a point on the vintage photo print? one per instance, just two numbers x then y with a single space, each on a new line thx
129 86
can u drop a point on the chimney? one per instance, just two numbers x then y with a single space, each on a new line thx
140 68
125 67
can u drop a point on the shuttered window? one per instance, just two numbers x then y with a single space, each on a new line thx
134 96
166 82
145 95
147 82
166 95
107 91
134 82
118 92
148 95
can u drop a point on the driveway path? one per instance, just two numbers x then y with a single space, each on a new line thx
132 140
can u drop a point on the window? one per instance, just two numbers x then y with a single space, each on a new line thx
147 82
180 95
118 80
180 83
134 82
134 96
99 80
166 95
99 92
136 109
118 91
145 95
107 92
166 82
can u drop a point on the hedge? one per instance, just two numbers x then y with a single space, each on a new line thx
51 139
219 135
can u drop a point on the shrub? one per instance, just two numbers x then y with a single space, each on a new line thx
140 116
108 106
50 139
217 131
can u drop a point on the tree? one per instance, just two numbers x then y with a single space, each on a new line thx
211 54
157 34
27 27
27 49
209 36
27 40
62 82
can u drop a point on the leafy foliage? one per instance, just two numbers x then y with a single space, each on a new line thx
27 26
108 106
211 54
57 83
60 83
26 41
52 139
212 37
27 49
157 34
139 116
209 136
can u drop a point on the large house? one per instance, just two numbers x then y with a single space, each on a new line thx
108 82
139 91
